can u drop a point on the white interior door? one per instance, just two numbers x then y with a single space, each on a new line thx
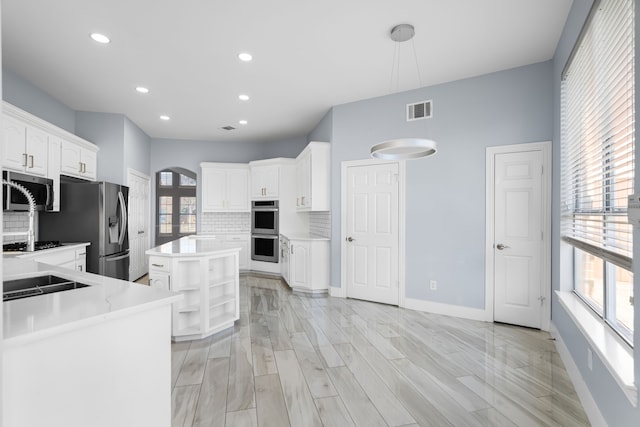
372 232
139 223
518 238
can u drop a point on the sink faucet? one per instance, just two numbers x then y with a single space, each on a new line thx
31 237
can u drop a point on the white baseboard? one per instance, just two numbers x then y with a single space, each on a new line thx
337 292
445 309
588 403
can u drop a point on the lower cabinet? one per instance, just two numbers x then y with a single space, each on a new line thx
243 241
309 265
74 257
210 286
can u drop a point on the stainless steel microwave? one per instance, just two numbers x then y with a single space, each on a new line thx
41 188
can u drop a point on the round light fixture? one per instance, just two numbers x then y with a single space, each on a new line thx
403 149
244 56
243 122
142 89
243 97
100 38
165 118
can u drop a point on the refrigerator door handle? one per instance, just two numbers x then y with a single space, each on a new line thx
118 258
123 212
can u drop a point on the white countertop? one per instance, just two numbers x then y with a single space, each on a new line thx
196 245
303 236
64 247
34 318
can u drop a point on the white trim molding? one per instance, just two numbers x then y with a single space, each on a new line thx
588 402
445 309
545 292
337 292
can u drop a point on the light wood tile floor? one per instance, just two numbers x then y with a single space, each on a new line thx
300 361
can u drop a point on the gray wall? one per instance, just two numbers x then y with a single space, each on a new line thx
324 129
137 149
445 208
612 403
107 132
24 95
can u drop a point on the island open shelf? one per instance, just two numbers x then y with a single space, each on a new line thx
206 272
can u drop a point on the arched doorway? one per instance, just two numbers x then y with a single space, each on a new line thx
175 204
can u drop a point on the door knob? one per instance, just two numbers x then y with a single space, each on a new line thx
500 246
350 239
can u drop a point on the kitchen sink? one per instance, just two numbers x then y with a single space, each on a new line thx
38 285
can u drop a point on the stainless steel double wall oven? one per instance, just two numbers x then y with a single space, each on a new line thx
264 230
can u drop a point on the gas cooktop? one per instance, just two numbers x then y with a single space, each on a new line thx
22 246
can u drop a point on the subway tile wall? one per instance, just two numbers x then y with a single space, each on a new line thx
225 222
16 221
320 224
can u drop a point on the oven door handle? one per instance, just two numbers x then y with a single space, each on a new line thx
265 209
264 236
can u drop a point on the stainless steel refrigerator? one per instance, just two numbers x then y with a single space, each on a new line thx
94 212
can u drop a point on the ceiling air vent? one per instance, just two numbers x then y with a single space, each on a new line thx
419 110
228 128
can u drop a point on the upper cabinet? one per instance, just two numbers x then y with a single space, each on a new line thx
78 160
265 182
24 148
312 177
37 147
225 187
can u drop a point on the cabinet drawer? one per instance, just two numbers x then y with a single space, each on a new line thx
159 264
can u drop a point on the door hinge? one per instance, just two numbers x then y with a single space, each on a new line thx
631 300
541 169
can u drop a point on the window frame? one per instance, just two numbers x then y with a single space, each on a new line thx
611 257
176 191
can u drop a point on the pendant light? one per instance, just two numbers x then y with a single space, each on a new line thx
404 148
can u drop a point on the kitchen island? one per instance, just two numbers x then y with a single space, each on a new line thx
206 271
94 356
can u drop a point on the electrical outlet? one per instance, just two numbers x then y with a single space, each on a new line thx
590 359
433 285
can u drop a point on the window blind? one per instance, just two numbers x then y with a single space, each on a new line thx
597 118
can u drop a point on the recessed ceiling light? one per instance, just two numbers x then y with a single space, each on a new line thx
243 122
243 97
246 57
100 38
165 118
142 89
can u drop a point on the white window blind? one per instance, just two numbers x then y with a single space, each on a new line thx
598 135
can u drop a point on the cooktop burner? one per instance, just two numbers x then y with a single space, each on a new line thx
22 246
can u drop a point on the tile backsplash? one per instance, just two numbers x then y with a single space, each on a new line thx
320 224
16 221
225 222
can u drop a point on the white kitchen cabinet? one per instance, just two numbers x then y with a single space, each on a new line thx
312 172
159 273
265 181
78 160
243 241
37 147
285 258
24 148
73 257
309 265
225 187
210 286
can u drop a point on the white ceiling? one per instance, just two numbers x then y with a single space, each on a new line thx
308 55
